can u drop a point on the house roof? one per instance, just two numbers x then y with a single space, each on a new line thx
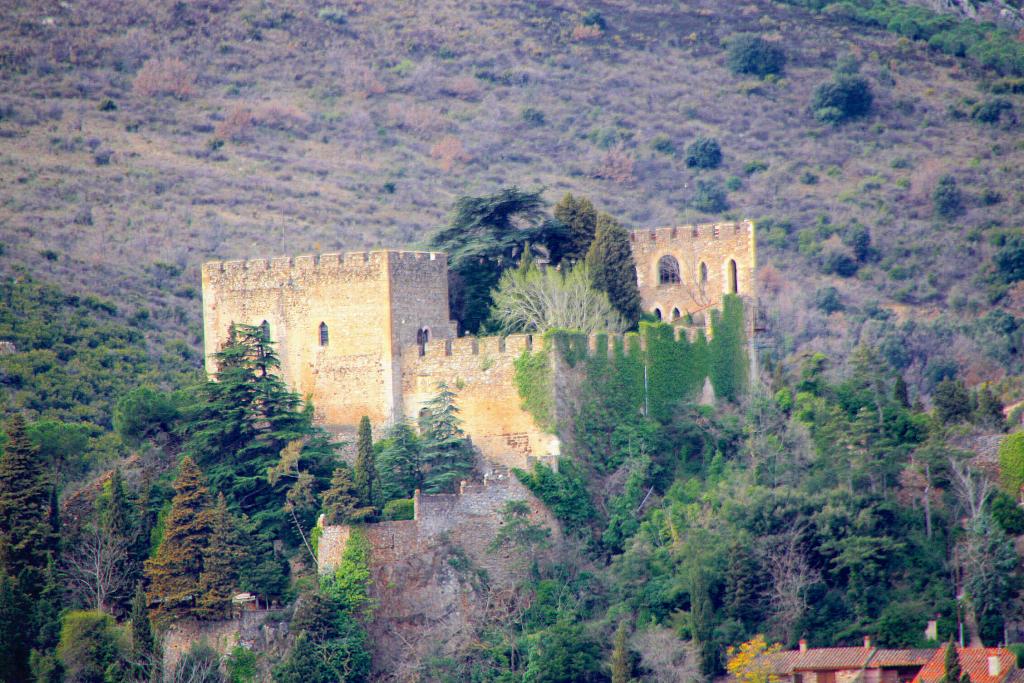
887 658
973 662
826 658
844 658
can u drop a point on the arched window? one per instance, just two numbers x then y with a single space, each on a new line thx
668 271
733 277
426 334
324 337
265 330
703 275
657 313
676 314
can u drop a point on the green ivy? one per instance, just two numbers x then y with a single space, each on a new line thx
349 585
536 387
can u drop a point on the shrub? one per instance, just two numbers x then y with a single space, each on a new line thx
165 77
449 151
704 153
991 111
107 104
733 183
1011 463
1009 260
663 144
838 263
1007 513
841 99
952 402
946 198
333 15
616 165
710 197
532 116
594 18
827 300
808 178
755 55
88 645
400 508
755 166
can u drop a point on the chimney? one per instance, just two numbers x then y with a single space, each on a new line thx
932 632
994 666
803 645
867 642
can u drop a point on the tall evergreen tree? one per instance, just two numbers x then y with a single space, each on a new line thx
341 503
26 534
119 523
900 392
175 570
366 480
620 664
224 554
143 644
245 420
951 665
400 463
15 613
612 268
46 625
448 457
579 216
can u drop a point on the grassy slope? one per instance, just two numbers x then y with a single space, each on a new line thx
356 116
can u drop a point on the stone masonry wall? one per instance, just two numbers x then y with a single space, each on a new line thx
418 583
482 371
355 373
716 245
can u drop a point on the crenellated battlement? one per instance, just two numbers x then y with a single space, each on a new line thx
513 345
693 233
326 262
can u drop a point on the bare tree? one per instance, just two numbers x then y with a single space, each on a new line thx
791 574
669 658
97 569
694 275
972 488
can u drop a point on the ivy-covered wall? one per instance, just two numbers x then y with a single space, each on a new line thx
675 367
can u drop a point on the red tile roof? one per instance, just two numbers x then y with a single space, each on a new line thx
883 658
842 658
973 662
833 658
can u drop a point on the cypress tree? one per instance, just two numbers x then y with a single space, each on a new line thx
366 468
46 624
225 552
612 268
620 656
175 570
900 392
447 456
400 463
28 537
341 500
118 522
143 645
15 613
579 216
952 664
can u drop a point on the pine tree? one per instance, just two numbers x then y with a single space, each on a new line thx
26 533
612 268
400 463
175 570
46 625
15 613
224 554
740 584
341 500
118 522
990 409
366 480
900 392
448 458
579 216
620 655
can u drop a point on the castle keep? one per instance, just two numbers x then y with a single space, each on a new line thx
368 333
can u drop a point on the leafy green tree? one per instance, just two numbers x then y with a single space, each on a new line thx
225 553
580 217
754 55
447 454
563 653
64 446
1009 260
705 153
612 268
485 236
27 538
989 412
175 570
710 197
144 412
843 98
400 462
946 198
341 502
366 479
88 646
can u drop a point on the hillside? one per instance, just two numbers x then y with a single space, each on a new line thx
140 140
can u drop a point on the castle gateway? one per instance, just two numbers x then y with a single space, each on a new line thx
368 333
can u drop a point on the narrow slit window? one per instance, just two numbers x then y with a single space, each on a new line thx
733 277
324 335
265 330
703 275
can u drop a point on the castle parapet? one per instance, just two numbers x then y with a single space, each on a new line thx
692 233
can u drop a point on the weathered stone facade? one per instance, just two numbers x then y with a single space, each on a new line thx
688 269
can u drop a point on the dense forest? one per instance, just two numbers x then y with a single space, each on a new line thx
864 481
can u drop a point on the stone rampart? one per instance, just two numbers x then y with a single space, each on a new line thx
482 371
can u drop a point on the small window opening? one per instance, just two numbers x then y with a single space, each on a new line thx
668 271
657 313
265 330
703 275
324 336
676 314
733 277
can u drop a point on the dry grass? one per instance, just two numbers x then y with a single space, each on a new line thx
165 78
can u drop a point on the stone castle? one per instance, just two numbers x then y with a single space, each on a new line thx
368 333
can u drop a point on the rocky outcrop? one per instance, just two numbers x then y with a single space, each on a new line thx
998 12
